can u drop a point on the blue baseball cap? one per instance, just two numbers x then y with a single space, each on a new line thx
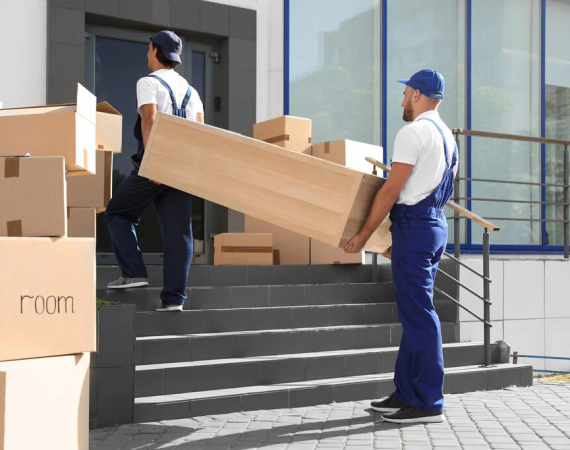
170 44
428 82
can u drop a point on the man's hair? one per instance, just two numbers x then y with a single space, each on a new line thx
163 59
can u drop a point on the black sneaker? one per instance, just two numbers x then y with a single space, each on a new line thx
389 404
409 414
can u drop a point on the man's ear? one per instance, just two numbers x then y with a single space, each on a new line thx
417 95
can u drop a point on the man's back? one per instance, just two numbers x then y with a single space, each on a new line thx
420 144
151 91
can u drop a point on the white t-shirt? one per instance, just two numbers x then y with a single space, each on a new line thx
420 144
151 91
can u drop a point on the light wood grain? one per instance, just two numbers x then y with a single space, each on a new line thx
289 189
458 208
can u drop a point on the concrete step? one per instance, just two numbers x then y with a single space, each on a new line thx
316 392
257 275
175 378
240 344
268 318
148 299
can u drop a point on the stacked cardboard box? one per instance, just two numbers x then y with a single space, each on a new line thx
291 133
47 276
243 249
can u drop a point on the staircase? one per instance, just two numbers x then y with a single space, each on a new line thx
267 337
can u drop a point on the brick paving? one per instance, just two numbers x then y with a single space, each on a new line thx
532 418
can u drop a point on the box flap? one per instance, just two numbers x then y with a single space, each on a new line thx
105 107
86 104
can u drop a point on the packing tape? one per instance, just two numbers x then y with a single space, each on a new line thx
12 168
108 179
276 258
272 140
327 147
14 228
236 249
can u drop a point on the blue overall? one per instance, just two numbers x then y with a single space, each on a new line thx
419 237
174 209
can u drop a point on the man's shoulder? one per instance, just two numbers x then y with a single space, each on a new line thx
411 131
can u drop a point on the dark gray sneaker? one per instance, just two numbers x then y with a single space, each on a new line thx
409 414
127 283
388 404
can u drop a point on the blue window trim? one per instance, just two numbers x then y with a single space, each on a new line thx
543 116
468 111
469 247
385 82
286 12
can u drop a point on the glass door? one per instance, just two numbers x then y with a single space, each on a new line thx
115 59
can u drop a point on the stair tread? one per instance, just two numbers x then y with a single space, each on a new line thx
253 332
253 359
247 286
221 393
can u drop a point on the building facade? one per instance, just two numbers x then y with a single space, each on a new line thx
507 69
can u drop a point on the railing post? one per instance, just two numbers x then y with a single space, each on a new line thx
486 296
456 221
566 208
515 357
374 255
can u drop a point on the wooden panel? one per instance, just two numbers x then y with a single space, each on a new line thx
290 189
381 239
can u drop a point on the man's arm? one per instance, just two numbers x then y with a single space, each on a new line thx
383 203
200 118
148 113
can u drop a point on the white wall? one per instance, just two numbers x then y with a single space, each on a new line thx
531 307
23 28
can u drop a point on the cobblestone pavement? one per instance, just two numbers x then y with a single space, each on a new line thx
517 418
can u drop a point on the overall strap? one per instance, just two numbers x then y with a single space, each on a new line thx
454 160
186 98
165 84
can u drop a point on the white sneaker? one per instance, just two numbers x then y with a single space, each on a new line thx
166 308
127 283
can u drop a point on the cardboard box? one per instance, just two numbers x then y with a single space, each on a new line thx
33 197
289 248
47 287
58 130
327 254
292 133
93 191
81 223
44 403
348 153
109 129
243 249
315 198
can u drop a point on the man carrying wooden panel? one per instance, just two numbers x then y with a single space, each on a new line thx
421 182
162 91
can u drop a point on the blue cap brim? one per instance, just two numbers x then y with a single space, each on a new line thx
403 80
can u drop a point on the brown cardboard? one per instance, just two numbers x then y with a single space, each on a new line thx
81 223
47 292
57 130
92 191
327 254
243 249
292 133
293 248
109 129
44 403
316 198
33 196
348 153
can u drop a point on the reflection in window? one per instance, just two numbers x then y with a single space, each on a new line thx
335 68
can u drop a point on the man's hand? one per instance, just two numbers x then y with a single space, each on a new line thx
356 244
387 253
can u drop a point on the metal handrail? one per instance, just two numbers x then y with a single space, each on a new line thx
516 357
435 288
510 137
464 287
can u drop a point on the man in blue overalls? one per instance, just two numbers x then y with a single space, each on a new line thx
424 165
162 91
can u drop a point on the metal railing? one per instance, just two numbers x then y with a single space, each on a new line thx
565 186
485 298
